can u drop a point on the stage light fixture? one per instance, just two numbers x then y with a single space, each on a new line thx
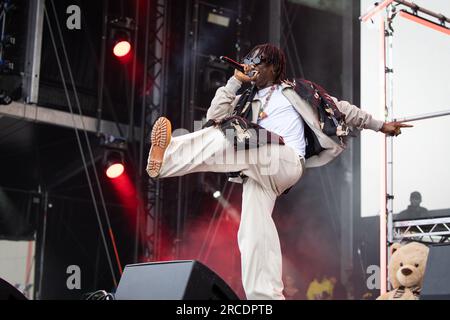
122 48
217 194
120 34
113 157
115 170
114 164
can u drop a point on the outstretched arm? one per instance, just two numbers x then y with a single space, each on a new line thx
360 119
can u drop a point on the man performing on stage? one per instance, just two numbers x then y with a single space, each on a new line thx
277 108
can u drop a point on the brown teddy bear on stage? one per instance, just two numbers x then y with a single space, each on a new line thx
406 271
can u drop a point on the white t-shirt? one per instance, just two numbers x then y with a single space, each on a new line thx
283 119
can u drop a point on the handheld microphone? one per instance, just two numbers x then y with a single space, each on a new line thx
237 66
232 63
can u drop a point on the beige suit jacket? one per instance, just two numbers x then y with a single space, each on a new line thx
225 100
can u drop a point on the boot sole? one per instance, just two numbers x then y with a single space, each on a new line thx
160 139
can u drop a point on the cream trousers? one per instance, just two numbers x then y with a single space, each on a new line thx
270 169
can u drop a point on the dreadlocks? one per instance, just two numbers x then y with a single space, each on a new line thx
274 56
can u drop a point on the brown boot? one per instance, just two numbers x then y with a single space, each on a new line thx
160 139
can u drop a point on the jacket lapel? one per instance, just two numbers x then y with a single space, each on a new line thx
256 103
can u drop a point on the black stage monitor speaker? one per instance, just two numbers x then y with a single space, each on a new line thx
436 283
8 292
172 280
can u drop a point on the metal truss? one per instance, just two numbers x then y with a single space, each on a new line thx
152 108
36 113
435 230
148 224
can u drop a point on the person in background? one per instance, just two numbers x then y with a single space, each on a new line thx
414 210
321 288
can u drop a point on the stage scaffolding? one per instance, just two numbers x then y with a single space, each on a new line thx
434 230
153 106
406 230
156 26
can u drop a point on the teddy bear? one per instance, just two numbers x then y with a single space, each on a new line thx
406 271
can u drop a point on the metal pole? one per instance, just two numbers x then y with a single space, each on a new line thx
130 134
424 116
190 90
42 248
379 6
389 33
140 179
347 193
275 22
386 213
101 76
158 100
33 51
2 34
193 79
185 105
425 22
383 209
416 8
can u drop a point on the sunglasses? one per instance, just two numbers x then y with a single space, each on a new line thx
255 60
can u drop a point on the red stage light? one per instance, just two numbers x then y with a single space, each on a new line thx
115 170
121 48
